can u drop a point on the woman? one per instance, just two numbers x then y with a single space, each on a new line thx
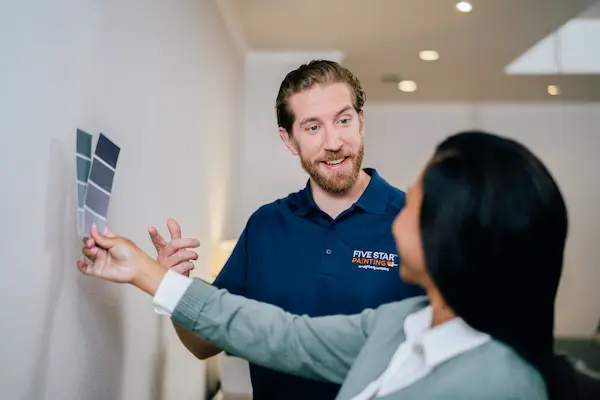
483 232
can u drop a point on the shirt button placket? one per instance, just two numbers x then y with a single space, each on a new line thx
328 257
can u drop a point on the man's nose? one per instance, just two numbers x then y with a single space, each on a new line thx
333 141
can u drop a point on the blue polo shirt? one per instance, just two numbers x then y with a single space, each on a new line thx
293 255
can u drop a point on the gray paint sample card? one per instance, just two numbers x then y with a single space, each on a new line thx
83 156
95 177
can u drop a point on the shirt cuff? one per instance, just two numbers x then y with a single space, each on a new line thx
169 293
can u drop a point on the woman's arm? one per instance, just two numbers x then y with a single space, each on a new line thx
319 348
322 348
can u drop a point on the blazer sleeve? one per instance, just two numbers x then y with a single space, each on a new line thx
322 348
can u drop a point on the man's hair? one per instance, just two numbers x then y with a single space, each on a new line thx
493 226
308 75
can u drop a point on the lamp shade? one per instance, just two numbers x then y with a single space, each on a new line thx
222 253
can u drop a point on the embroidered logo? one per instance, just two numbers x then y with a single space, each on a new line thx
375 260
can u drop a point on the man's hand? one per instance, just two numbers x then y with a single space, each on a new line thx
174 255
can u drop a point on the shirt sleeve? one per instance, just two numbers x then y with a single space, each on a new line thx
322 348
169 292
233 276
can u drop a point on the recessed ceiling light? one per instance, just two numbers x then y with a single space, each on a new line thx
553 90
429 55
464 6
407 86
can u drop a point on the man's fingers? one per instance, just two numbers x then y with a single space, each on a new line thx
180 257
184 267
158 241
177 244
174 229
182 243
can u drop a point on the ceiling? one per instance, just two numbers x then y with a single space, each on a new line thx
382 37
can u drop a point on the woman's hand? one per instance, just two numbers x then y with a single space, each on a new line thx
113 258
118 259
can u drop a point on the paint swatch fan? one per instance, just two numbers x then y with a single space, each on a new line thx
95 176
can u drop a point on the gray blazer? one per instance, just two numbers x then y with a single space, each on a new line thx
349 350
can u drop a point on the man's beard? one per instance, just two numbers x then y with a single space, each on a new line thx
335 182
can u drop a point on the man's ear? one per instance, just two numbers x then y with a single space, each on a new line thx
361 119
289 142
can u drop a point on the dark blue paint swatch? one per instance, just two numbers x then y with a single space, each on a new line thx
107 151
102 176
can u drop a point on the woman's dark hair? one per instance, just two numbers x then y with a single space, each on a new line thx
493 226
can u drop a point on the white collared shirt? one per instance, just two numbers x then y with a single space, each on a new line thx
424 349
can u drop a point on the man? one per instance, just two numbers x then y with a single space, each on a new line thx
326 249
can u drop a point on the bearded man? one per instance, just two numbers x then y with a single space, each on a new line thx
326 249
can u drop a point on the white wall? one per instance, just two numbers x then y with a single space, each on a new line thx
400 138
163 80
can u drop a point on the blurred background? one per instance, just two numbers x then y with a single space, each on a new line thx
187 89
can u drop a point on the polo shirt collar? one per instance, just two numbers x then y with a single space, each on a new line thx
373 200
375 197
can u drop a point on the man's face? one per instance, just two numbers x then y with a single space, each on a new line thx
327 135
